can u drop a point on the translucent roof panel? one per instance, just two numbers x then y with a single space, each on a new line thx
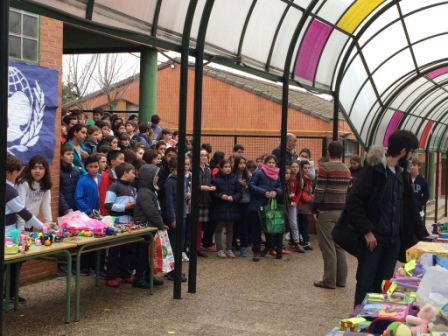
380 46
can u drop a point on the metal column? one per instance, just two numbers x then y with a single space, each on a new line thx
335 116
183 95
148 84
197 130
4 33
436 187
445 170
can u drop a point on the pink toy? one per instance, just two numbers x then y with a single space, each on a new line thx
77 221
421 321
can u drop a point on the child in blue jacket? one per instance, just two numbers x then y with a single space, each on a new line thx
68 180
87 189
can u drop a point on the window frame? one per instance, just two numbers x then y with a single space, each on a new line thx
22 36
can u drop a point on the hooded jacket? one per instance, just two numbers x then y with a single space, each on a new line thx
147 207
68 179
361 213
230 186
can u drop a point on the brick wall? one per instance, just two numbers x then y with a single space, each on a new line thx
50 57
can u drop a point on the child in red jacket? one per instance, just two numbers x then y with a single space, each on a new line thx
304 205
294 184
114 159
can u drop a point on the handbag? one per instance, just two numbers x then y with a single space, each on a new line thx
272 218
163 253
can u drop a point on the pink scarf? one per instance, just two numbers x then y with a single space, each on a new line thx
272 173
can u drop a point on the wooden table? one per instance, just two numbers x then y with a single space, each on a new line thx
90 244
36 252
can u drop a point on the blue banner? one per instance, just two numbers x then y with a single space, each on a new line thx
32 104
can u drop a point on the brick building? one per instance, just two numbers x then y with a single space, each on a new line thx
38 40
235 109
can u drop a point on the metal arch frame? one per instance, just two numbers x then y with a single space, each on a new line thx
197 130
274 39
89 9
155 20
180 187
243 31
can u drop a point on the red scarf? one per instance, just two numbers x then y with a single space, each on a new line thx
272 173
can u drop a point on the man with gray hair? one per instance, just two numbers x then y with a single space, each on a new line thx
291 141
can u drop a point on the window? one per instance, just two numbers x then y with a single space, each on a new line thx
23 35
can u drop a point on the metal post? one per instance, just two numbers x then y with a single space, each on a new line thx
183 95
197 119
148 84
445 170
427 179
335 116
4 34
436 187
324 146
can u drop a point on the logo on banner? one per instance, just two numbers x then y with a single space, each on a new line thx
26 107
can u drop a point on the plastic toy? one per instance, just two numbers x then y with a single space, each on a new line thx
397 329
37 242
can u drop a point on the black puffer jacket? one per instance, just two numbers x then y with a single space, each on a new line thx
361 213
205 178
147 208
226 185
68 179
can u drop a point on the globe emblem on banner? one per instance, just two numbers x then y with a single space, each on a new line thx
26 106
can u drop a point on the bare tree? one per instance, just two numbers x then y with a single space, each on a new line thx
78 74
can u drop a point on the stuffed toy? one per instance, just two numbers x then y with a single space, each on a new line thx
440 323
420 322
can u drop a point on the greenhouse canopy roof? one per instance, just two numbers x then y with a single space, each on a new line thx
385 61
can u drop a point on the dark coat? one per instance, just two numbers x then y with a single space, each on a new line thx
68 179
147 208
289 155
259 184
205 178
361 214
226 185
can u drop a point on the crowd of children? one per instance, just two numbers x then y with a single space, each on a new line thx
128 170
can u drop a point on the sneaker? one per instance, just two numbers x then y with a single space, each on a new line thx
256 257
273 253
170 276
221 254
286 251
129 279
202 254
185 257
243 252
307 246
230 254
299 248
141 283
112 283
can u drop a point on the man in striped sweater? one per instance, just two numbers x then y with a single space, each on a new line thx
332 183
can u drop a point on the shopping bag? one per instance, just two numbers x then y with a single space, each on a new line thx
163 253
272 218
433 288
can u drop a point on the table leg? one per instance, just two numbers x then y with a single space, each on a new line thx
97 267
77 283
151 265
67 287
16 289
7 287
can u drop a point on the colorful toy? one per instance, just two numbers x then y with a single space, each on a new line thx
10 246
397 329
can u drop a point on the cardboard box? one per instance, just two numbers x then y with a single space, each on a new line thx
416 251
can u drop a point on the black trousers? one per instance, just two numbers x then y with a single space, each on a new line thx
142 260
255 231
118 261
374 267
209 231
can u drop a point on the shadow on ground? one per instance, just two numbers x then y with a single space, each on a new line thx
234 297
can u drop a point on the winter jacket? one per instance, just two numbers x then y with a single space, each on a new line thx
230 186
77 159
169 208
306 197
147 208
290 156
107 178
140 138
14 208
69 177
117 196
361 213
87 193
205 179
259 184
294 192
91 147
245 196
421 194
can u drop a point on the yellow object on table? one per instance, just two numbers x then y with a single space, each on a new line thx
416 251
